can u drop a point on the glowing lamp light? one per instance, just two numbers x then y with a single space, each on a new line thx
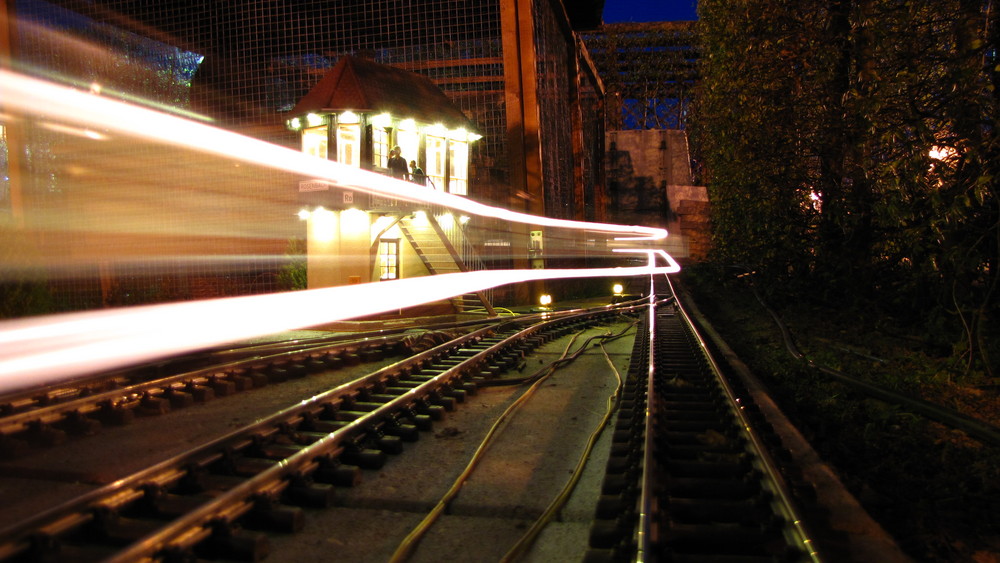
545 300
304 214
349 117
617 289
295 123
382 120
314 120
463 219
408 125
420 219
354 220
941 153
474 137
447 220
324 225
437 130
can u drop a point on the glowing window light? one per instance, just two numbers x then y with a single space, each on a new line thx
314 120
408 125
545 300
459 134
380 146
458 162
349 117
435 159
382 120
409 143
315 141
349 144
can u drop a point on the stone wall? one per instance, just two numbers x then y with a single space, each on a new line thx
649 183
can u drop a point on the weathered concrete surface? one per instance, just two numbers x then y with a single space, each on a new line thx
523 470
650 183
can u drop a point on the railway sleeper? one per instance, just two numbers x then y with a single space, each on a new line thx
80 424
269 514
334 471
226 543
707 488
723 539
201 393
670 415
746 512
111 527
115 414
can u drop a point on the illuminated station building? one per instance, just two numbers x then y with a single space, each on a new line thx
356 114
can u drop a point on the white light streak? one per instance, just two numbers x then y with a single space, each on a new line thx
41 350
37 97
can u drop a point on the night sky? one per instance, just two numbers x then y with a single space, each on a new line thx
616 11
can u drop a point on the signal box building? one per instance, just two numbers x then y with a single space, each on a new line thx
517 68
356 114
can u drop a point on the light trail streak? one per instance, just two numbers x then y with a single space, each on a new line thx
41 350
50 101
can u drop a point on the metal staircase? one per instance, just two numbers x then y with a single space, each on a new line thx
438 251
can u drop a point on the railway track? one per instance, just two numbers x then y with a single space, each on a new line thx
198 502
49 415
685 474
691 477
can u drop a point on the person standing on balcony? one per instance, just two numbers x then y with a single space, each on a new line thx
397 164
417 175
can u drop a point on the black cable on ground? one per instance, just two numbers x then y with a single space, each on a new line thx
409 544
555 364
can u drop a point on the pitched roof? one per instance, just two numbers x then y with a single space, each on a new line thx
361 85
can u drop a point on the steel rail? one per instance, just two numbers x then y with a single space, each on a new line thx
87 402
785 504
690 486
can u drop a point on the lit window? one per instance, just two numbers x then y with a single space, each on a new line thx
435 161
380 147
388 259
349 144
458 182
409 143
314 141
